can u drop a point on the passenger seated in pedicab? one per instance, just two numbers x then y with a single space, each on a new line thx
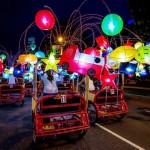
49 81
91 83
12 80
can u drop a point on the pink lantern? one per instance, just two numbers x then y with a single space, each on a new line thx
102 42
44 19
1 66
92 51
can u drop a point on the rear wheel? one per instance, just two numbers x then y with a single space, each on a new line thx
20 103
120 117
77 134
92 113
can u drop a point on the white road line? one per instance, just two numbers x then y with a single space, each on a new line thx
120 137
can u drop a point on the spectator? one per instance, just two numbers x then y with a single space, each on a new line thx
49 82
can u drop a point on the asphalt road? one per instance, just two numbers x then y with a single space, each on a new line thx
129 134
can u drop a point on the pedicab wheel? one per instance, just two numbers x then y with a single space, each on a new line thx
77 134
91 72
20 103
65 66
36 139
92 113
120 116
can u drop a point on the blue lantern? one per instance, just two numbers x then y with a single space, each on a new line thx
18 71
40 54
130 68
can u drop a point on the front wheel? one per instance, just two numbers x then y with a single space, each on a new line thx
92 113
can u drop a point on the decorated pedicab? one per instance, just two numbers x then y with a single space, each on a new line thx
64 113
10 93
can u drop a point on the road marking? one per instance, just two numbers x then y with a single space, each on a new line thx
120 137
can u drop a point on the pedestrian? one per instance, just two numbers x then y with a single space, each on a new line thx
49 82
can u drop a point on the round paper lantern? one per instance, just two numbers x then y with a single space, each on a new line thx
123 53
40 54
3 56
138 44
44 19
92 51
112 24
143 55
18 71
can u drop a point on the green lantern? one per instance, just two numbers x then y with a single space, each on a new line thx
112 24
3 56
32 46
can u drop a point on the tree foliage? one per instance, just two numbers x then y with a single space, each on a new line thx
140 13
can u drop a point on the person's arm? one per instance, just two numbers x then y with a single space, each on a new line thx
40 83
82 81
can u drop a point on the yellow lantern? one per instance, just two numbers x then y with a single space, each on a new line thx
143 55
138 44
123 53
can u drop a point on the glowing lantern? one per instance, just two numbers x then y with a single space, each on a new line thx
32 46
40 54
130 75
1 66
51 63
123 53
112 24
18 71
138 44
3 56
143 55
102 42
147 44
143 72
130 68
112 64
128 43
5 75
108 79
44 19
109 49
27 58
92 51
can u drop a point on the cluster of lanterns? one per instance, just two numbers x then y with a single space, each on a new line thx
126 58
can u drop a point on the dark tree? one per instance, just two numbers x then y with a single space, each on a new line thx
140 13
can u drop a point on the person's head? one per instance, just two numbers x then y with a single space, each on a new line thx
50 76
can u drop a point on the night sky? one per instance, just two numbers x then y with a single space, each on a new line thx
16 15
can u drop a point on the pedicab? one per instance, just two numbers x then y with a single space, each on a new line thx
64 113
13 94
106 103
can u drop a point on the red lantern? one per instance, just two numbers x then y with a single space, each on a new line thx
1 66
44 19
92 51
102 42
